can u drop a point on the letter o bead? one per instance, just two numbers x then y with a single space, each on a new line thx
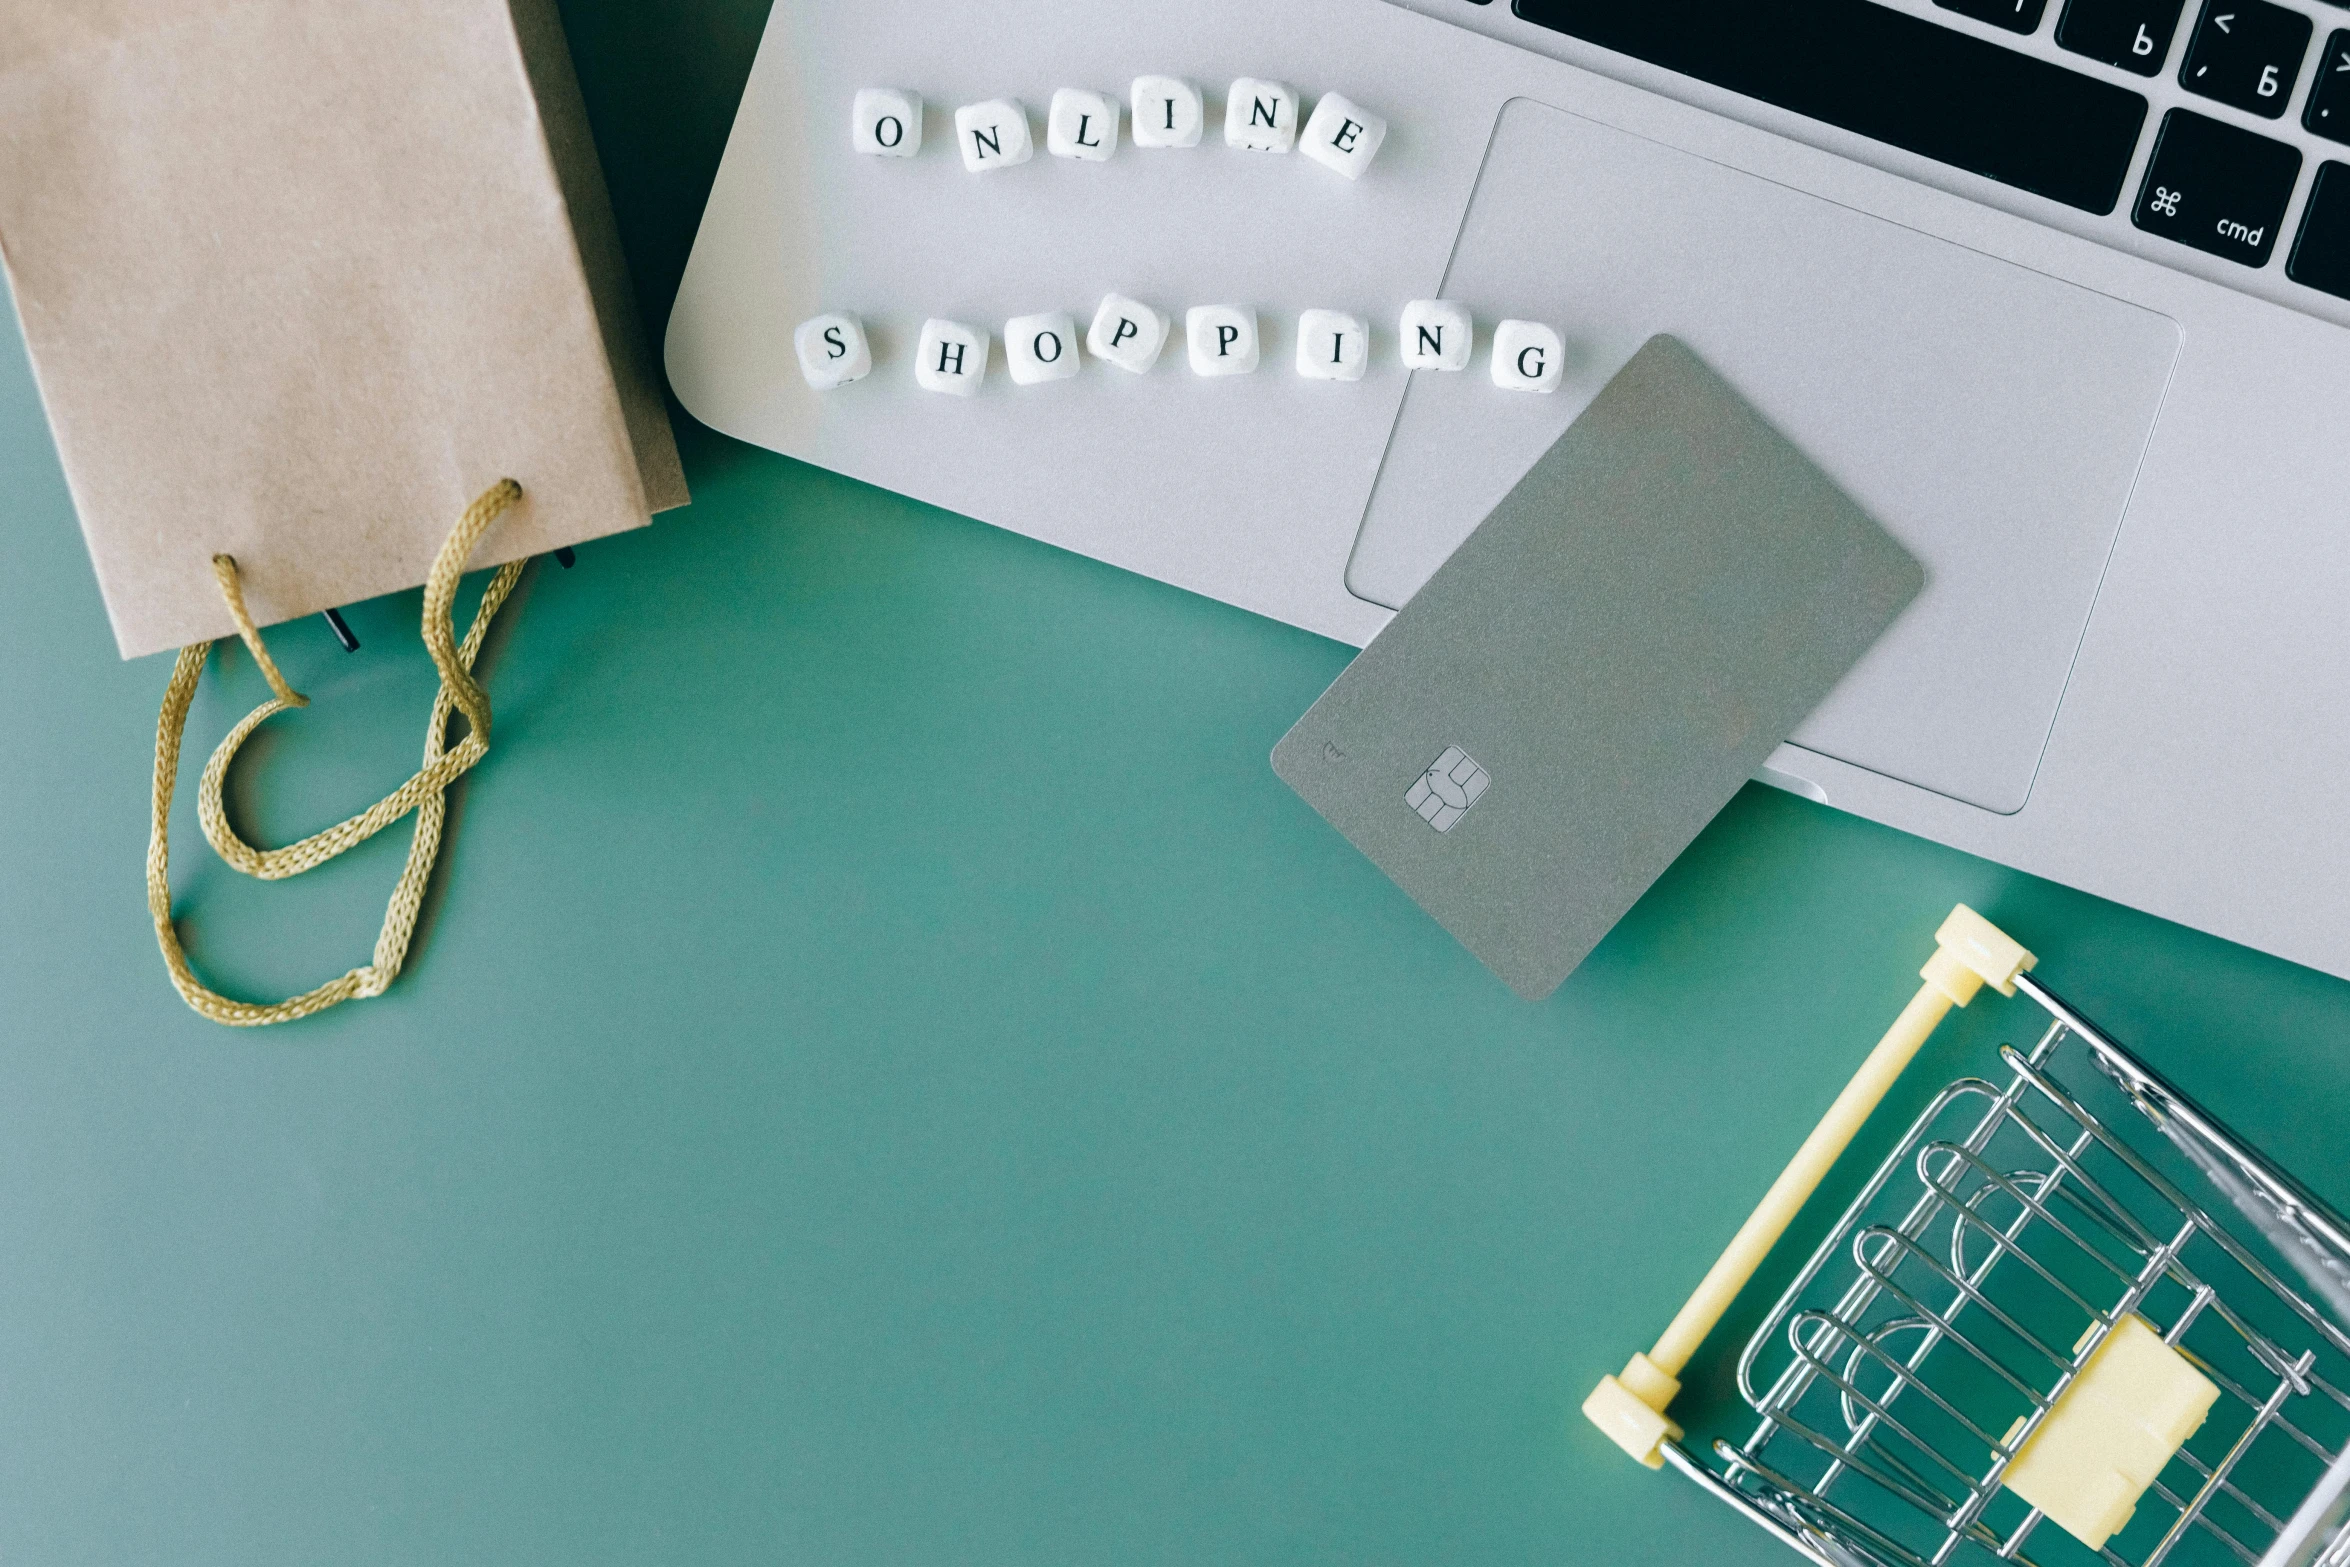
1527 357
1040 348
887 122
832 350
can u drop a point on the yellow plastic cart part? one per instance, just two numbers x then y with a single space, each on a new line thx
1970 952
2111 1432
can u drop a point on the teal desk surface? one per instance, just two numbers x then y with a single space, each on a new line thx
888 1078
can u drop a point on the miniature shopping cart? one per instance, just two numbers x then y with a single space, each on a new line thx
2071 1318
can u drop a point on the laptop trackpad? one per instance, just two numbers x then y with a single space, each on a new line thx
1992 418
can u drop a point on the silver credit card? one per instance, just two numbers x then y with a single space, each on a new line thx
1589 678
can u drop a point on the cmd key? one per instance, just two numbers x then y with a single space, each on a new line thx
2217 187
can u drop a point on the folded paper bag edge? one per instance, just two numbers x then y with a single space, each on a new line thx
595 229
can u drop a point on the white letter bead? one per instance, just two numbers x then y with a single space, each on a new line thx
1167 112
1040 348
993 135
887 122
1436 334
1260 116
1082 124
1343 136
1222 338
1127 333
1332 345
950 358
1527 357
832 350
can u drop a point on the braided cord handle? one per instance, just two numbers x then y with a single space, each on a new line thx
425 793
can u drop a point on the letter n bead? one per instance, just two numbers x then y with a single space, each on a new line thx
1527 357
1436 334
1342 135
832 350
1040 348
1260 116
887 122
993 135
951 357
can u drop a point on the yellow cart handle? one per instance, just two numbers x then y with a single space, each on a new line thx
1971 952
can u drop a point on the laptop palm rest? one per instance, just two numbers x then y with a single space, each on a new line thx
1990 417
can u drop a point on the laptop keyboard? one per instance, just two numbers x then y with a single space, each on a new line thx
2203 165
2247 54
2130 35
2067 134
2329 97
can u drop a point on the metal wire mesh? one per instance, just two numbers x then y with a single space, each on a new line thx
1965 1288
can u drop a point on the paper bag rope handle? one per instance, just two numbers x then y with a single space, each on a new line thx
423 793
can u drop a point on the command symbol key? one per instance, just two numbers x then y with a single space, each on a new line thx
2217 187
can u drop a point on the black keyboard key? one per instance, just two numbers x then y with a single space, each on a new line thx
1931 90
2133 34
2247 54
2321 256
2217 187
2329 98
2017 16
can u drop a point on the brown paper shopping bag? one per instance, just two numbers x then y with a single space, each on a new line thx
299 279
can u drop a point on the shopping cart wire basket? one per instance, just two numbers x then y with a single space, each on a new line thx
2071 1318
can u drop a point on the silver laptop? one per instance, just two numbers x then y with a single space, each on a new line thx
2058 290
